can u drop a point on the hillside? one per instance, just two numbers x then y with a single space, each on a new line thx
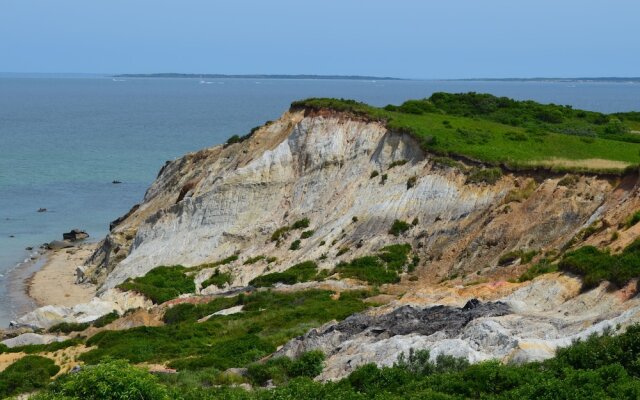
450 247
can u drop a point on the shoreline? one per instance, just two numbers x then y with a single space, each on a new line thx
55 282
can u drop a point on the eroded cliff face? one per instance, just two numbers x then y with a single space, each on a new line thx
230 199
352 178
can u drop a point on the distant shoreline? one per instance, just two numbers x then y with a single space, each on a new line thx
261 76
593 79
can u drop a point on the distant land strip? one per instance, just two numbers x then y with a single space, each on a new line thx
593 79
259 76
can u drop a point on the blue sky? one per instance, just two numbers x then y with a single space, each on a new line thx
410 38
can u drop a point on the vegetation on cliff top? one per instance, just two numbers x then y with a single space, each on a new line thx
502 131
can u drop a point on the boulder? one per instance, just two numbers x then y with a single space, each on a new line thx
32 338
59 244
74 235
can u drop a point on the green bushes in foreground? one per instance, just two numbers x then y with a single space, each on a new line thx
601 367
161 284
26 374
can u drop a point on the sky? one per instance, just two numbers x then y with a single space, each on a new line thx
424 39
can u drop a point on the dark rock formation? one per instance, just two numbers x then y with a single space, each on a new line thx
74 235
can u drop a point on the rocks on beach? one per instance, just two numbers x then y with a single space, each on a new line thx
75 235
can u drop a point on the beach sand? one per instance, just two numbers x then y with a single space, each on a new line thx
55 283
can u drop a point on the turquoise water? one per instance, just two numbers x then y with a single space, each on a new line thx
64 140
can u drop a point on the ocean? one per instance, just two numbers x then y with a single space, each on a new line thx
63 140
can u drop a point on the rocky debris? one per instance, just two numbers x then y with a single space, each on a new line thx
75 235
80 274
116 182
112 300
59 244
32 338
41 210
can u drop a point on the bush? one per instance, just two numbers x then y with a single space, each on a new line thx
302 272
307 234
632 220
279 233
596 266
68 327
541 268
369 268
397 163
383 179
254 260
106 319
218 279
110 380
524 256
301 224
26 374
295 245
411 182
374 174
485 175
399 227
161 284
281 369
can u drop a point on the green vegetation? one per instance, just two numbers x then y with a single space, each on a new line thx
281 370
595 265
106 319
632 220
224 261
342 250
601 367
303 272
254 260
374 174
268 320
540 268
378 269
397 163
383 179
67 327
307 234
399 227
500 131
161 284
411 182
524 256
295 245
484 175
301 224
26 374
111 380
219 279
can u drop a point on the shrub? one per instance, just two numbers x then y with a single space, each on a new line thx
411 182
295 245
596 266
161 284
524 257
26 374
342 251
302 272
632 220
106 319
110 380
369 268
307 234
67 327
397 163
354 219
253 260
383 179
485 175
374 174
218 279
281 369
399 227
279 233
301 224
540 268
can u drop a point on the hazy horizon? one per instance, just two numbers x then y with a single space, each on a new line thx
458 39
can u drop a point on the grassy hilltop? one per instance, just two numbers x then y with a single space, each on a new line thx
514 134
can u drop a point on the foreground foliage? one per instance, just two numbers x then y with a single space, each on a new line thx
26 374
603 367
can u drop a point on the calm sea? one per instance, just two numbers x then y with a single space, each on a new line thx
64 140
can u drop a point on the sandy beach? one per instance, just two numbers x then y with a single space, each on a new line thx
55 282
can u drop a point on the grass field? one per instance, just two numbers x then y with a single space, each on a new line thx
517 135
